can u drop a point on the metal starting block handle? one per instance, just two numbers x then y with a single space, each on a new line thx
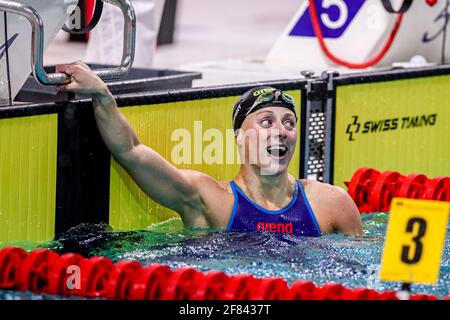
37 42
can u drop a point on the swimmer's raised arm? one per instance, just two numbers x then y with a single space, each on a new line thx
158 178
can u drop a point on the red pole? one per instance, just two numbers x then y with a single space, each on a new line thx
88 12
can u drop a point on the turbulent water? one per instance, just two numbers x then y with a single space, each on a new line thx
351 261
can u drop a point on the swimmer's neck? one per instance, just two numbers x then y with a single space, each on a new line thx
273 189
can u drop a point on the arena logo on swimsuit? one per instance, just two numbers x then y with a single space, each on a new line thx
275 227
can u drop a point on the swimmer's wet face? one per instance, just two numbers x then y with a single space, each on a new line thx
258 98
267 139
265 122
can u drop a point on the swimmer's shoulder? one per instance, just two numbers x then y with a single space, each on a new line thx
315 194
315 186
320 189
205 182
333 207
216 196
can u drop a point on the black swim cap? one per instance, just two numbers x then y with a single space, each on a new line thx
267 96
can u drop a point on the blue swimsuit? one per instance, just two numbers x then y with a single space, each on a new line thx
296 218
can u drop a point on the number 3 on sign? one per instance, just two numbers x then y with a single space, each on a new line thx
414 241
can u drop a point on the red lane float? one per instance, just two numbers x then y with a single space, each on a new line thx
331 291
413 186
438 189
373 190
302 290
150 283
271 289
360 187
211 287
385 188
388 295
11 260
239 287
36 269
59 278
360 294
44 271
182 284
95 276
121 279
422 297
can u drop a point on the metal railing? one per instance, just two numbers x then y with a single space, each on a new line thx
37 42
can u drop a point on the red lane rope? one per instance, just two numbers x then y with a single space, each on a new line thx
335 59
372 190
44 271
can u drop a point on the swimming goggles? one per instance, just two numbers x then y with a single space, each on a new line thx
273 97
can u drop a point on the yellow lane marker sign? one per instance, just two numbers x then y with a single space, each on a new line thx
414 241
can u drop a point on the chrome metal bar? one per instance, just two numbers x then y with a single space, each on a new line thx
37 42
37 33
129 45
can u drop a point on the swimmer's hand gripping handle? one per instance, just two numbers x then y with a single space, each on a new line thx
37 42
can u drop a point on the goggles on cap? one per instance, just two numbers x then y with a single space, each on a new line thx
272 97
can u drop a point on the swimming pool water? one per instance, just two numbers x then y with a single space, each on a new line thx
351 261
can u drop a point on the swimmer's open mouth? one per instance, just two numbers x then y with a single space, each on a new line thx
278 150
